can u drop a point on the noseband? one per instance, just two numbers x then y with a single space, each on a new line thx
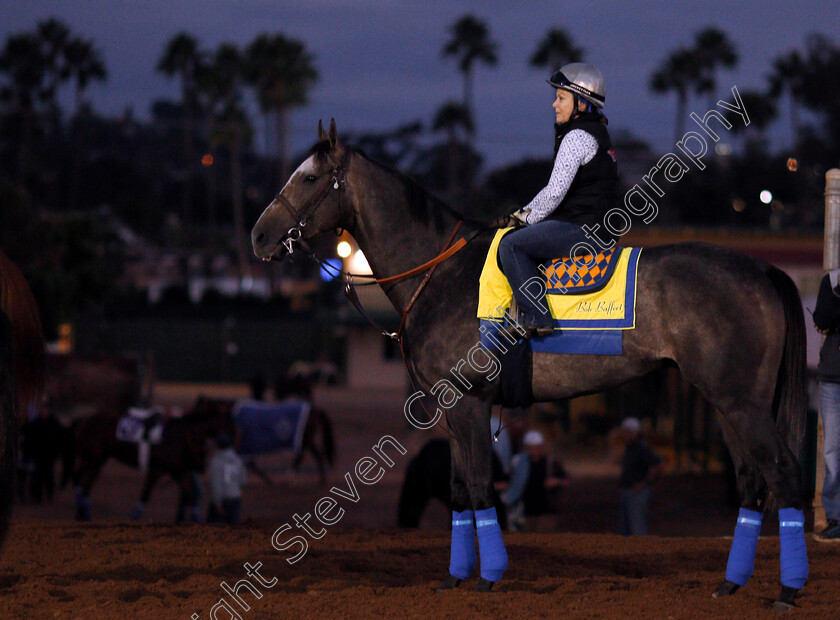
294 234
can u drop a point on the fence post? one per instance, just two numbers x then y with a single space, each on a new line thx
831 260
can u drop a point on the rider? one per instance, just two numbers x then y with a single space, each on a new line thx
571 208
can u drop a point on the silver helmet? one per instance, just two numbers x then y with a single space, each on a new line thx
582 79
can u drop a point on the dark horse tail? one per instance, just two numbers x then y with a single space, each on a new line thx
21 372
68 454
790 402
327 438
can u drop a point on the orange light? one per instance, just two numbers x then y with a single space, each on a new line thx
207 160
792 164
738 205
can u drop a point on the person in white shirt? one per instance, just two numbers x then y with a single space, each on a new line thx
566 218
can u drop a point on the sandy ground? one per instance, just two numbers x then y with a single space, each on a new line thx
52 567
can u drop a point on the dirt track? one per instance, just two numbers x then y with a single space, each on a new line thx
52 567
117 570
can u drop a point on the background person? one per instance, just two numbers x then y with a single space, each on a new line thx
640 465
227 475
534 476
827 321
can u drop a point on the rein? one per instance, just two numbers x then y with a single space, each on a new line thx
294 237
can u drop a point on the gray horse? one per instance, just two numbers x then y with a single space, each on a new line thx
732 324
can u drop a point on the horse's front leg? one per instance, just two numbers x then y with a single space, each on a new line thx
473 511
152 476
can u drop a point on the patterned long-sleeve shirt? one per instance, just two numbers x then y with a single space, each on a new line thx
577 149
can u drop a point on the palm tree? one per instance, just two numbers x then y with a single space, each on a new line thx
555 50
449 118
220 81
23 63
84 65
181 58
789 74
677 73
713 49
53 37
282 73
470 42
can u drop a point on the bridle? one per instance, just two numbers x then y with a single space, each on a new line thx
294 234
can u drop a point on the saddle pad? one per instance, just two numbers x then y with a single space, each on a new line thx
565 277
270 427
133 429
611 307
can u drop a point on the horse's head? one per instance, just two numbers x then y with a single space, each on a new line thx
312 202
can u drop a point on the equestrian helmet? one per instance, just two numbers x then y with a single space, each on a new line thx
582 79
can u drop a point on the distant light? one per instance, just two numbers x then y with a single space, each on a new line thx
359 264
207 160
765 196
739 205
792 164
344 249
723 149
331 273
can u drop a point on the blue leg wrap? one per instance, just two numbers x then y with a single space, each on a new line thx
793 554
739 568
490 545
462 550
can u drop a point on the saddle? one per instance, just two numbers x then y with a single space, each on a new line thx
141 425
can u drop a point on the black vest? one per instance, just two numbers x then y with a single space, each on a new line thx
594 190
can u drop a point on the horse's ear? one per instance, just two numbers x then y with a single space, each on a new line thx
333 135
322 135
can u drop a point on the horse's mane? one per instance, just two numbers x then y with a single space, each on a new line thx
18 304
423 206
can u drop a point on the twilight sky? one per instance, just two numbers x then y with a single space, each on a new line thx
380 61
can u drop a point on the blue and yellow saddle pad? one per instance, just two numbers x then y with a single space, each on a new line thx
590 322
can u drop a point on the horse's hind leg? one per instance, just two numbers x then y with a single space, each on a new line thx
751 490
764 455
88 473
152 476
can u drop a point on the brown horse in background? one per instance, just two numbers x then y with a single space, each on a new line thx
181 452
21 372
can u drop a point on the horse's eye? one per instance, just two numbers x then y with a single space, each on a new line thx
310 178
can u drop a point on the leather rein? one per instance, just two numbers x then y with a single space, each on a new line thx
294 236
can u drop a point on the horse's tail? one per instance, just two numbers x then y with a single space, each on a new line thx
18 304
68 454
327 438
8 426
790 402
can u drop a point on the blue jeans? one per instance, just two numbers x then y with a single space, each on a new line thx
539 242
830 413
633 516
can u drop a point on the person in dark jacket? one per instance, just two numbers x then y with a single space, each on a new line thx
640 465
827 321
566 216
42 438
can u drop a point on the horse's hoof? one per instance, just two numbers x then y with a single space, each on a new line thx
450 583
786 597
483 585
725 589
